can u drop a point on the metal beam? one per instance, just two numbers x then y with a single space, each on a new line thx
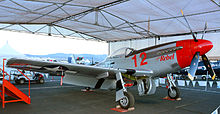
43 7
170 35
50 2
188 15
31 12
166 12
106 19
129 22
25 28
19 5
109 28
80 32
6 26
40 28
216 3
59 31
22 23
63 10
90 10
49 12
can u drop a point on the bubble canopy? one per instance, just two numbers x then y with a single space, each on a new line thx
125 51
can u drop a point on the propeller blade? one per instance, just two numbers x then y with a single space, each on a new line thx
208 66
204 30
148 25
194 37
193 66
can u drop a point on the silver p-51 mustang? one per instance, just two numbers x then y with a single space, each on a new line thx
142 66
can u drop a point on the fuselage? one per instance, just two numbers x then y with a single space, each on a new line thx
161 59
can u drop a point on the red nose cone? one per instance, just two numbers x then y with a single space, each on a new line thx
190 47
202 46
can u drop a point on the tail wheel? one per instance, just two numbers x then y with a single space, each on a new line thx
127 101
174 94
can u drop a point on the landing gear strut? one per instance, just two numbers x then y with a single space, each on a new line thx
173 91
123 97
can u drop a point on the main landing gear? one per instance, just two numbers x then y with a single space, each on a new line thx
123 97
173 91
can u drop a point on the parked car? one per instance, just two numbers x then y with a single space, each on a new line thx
20 79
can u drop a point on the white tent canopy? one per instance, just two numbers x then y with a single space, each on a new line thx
110 20
8 51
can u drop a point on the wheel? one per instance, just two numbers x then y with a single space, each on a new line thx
41 81
175 94
128 101
16 81
21 81
203 78
88 88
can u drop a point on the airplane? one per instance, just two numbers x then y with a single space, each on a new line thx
142 66
80 60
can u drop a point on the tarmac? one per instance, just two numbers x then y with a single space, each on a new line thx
50 97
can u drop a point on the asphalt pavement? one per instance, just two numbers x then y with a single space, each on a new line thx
50 97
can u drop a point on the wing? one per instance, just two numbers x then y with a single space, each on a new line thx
51 67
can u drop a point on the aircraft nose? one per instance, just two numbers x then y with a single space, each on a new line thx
203 46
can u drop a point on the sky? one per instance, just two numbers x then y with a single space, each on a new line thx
36 44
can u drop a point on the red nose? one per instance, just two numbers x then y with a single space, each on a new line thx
202 46
190 47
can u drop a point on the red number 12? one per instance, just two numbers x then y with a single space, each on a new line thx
143 62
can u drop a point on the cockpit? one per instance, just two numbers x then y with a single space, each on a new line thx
123 52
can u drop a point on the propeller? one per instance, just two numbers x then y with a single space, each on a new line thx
194 37
204 30
195 60
208 66
193 66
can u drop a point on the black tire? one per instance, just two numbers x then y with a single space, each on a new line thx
41 81
128 101
16 81
175 94
88 88
22 81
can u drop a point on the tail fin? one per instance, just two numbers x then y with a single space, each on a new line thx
72 59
